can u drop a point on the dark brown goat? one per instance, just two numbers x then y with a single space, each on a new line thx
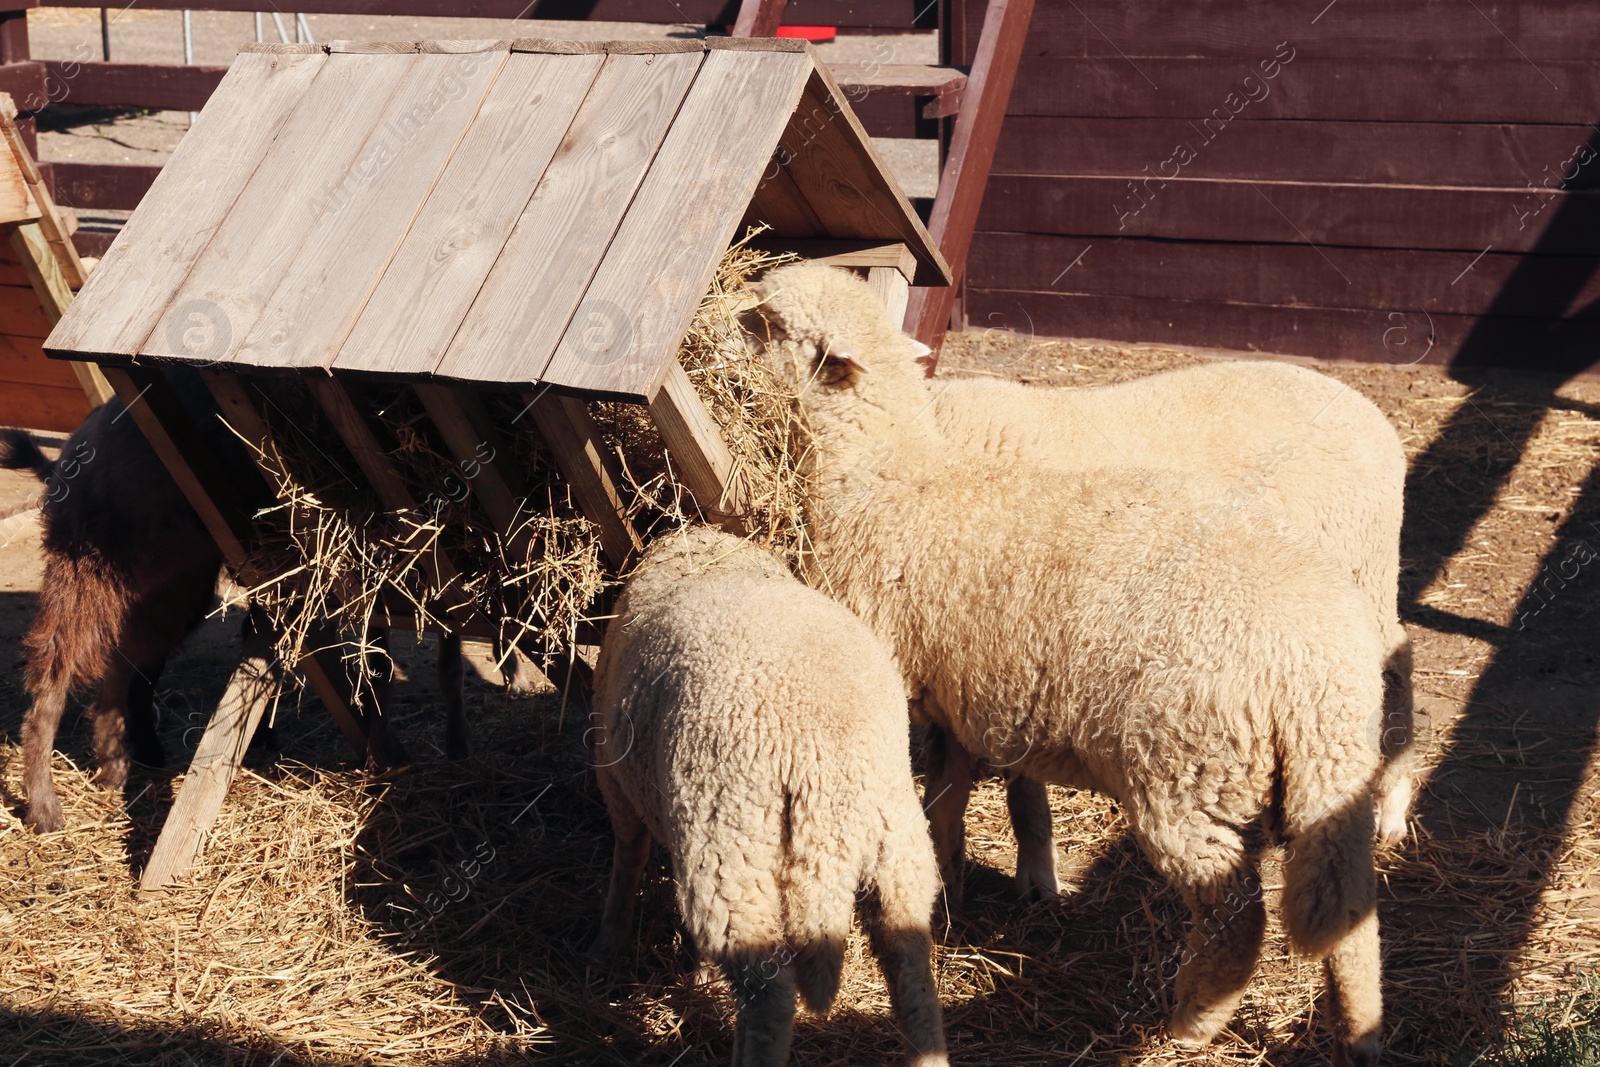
129 571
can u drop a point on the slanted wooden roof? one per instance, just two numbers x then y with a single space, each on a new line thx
492 211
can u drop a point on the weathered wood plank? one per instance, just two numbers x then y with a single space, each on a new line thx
840 173
705 465
893 288
965 177
1462 283
778 203
148 85
1312 87
518 316
441 265
329 145
666 250
1410 153
590 470
319 297
1558 346
856 255
185 204
252 688
41 407
1361 216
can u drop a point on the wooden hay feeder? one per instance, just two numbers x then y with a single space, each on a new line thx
39 269
540 217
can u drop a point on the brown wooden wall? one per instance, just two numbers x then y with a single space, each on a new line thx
39 393
1302 177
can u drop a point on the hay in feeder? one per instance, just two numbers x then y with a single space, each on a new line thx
328 552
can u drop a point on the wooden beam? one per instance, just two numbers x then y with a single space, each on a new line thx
596 481
55 231
966 170
857 255
893 288
44 271
759 18
704 463
252 688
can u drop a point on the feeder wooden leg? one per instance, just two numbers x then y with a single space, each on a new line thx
704 462
254 685
893 289
208 486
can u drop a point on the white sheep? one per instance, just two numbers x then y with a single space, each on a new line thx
1086 630
1307 446
759 731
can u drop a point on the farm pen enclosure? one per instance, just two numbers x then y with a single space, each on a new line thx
530 217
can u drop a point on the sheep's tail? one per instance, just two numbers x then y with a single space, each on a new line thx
822 867
19 452
1329 883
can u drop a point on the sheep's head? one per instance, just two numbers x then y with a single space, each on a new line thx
824 325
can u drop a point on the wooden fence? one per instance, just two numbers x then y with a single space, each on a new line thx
1353 179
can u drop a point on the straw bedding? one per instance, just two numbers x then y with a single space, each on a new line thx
436 915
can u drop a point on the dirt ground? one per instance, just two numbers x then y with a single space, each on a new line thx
315 929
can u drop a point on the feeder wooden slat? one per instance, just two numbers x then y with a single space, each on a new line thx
282 206
313 309
666 251
442 264
538 287
704 463
780 204
193 194
574 441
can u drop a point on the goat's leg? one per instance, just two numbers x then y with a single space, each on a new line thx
109 715
1029 805
144 743
452 686
38 741
945 794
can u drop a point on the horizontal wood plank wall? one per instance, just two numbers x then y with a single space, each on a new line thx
36 392
1355 180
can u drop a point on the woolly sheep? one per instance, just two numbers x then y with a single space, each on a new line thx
759 731
1307 446
1072 626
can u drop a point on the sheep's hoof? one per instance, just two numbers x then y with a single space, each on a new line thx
604 948
44 815
1193 1026
1392 827
1037 883
1362 1052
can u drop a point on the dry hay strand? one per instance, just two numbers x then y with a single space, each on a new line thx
327 553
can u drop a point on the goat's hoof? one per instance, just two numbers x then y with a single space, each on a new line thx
1362 1052
113 774
1193 1026
44 815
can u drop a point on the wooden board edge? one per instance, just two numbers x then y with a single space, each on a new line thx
761 44
277 49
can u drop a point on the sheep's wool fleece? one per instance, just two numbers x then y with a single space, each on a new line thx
1112 628
760 731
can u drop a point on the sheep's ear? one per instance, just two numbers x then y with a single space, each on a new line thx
920 349
839 364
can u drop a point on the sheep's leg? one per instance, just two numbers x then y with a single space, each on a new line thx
949 785
1353 968
628 858
452 686
896 918
109 715
38 741
764 1024
1397 780
1220 881
1029 805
